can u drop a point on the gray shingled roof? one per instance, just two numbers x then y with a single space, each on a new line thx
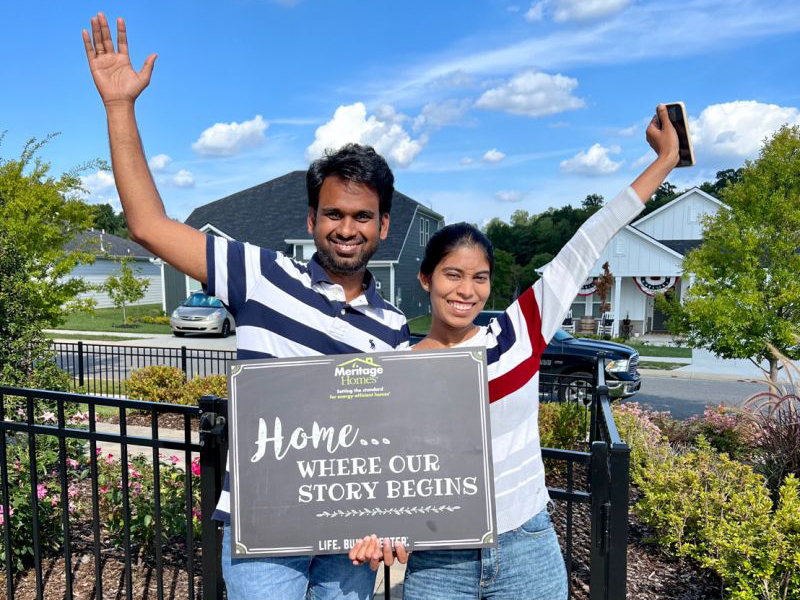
104 243
681 246
269 213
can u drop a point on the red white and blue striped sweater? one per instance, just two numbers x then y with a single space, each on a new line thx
514 345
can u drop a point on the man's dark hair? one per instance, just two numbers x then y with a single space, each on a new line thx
356 163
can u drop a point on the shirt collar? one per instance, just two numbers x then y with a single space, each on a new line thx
318 275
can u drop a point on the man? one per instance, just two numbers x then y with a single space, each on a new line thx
282 308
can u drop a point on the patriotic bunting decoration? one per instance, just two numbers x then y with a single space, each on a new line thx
589 287
655 285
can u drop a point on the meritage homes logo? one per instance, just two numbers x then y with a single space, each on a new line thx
358 371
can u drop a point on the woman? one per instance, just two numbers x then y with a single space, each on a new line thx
456 271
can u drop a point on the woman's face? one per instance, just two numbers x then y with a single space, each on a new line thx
459 286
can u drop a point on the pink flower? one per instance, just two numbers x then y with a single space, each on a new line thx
175 460
73 463
72 491
53 501
47 416
196 467
17 464
41 491
103 489
2 515
133 472
137 488
99 451
21 413
109 458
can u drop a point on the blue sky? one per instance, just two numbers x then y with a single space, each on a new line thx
482 107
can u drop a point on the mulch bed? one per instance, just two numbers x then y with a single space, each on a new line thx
145 419
112 559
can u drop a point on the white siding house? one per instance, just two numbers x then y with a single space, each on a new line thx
108 249
646 257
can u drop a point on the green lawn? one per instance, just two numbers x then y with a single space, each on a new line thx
110 319
670 351
663 366
420 325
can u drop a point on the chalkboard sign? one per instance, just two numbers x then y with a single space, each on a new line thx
327 449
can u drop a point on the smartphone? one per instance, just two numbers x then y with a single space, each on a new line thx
677 115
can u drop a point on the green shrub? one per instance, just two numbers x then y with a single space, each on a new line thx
638 428
706 506
48 491
563 425
158 320
216 385
157 383
141 495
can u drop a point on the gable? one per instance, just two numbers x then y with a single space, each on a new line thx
680 218
633 254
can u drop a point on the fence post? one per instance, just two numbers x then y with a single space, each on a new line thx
598 554
183 362
213 446
618 552
80 363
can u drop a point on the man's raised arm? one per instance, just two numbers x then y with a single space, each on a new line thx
119 86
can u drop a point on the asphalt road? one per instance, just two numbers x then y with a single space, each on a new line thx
688 397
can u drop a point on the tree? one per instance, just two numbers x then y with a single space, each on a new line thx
746 291
39 215
26 359
724 178
107 220
124 287
592 202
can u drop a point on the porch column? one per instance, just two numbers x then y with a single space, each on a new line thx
617 302
685 288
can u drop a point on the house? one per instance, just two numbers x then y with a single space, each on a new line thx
273 215
108 250
646 258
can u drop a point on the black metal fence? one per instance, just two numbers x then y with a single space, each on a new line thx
36 429
102 369
595 478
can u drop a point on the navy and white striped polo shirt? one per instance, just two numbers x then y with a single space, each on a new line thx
284 308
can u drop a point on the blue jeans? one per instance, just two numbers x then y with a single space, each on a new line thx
294 577
527 563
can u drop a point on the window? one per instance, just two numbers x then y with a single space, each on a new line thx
424 231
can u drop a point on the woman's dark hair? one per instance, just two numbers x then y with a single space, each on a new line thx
356 163
448 238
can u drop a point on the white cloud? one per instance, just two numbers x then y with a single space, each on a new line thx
467 160
536 11
183 178
98 182
493 156
737 129
509 196
586 10
228 139
533 94
159 162
592 162
438 114
351 124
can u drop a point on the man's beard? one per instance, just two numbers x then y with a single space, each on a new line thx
332 264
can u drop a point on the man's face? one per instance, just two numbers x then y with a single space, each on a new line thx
346 226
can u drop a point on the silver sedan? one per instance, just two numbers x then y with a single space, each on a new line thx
200 313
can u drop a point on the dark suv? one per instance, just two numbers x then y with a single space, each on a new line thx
575 360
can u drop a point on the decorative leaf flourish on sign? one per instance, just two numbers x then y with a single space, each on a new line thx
403 510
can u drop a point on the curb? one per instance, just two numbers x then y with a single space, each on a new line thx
693 375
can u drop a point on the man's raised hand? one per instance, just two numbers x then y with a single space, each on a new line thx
115 78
